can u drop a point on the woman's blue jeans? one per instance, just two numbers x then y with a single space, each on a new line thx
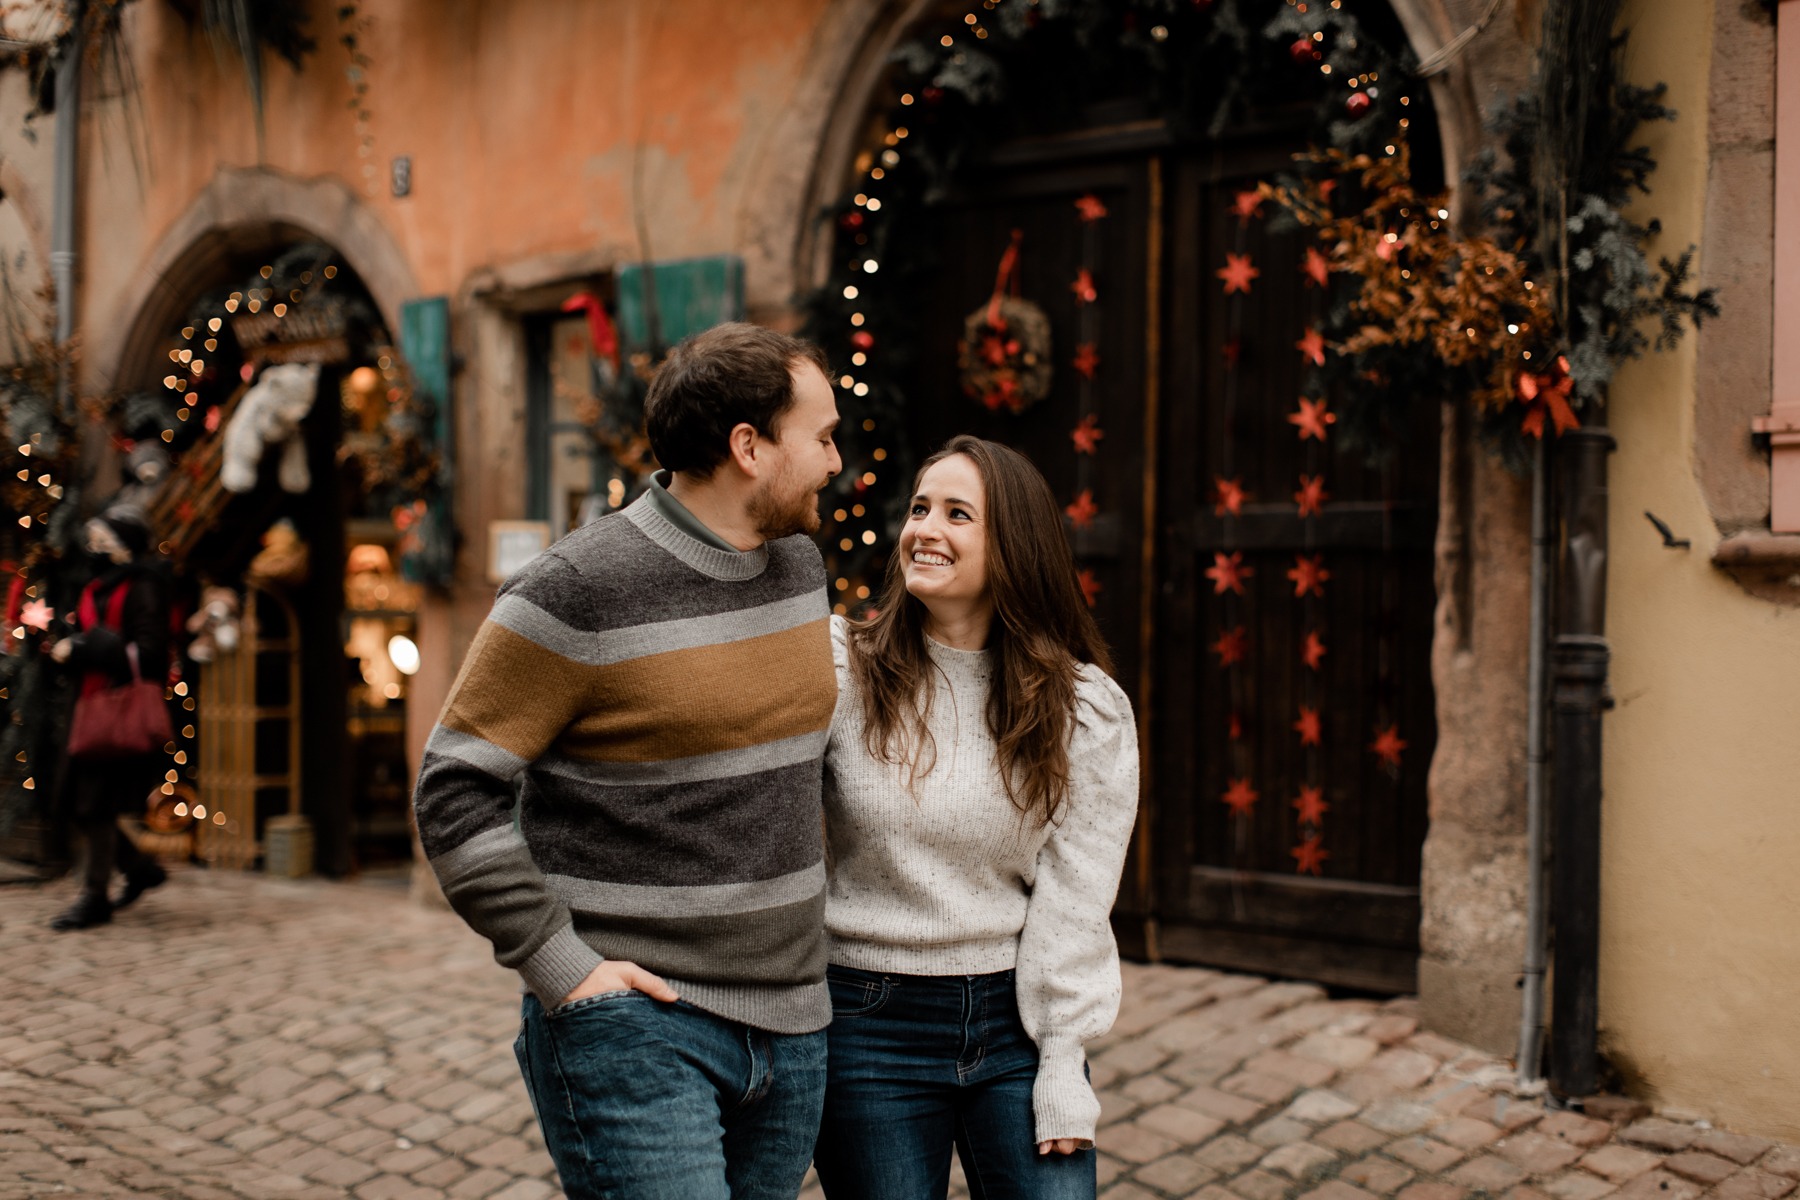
920 1064
642 1100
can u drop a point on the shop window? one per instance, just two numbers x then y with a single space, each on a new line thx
562 484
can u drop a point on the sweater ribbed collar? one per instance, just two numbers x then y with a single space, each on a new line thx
973 664
666 521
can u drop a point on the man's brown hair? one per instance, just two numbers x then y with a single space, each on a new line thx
729 375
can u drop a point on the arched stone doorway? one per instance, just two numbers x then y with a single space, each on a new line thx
1391 904
238 315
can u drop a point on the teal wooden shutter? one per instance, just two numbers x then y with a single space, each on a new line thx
691 294
429 555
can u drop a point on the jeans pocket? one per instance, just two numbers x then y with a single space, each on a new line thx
857 997
574 1007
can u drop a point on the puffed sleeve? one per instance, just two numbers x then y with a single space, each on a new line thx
1068 968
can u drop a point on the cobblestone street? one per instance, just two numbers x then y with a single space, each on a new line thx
238 1037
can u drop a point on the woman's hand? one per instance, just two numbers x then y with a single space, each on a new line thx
1063 1145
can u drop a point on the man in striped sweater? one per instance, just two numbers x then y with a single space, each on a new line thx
660 685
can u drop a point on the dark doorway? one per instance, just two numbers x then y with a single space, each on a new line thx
1195 388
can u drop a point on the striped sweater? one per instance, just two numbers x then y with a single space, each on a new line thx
664 705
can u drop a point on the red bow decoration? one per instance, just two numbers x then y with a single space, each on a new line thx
600 327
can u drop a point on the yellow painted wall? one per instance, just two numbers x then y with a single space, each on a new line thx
1700 954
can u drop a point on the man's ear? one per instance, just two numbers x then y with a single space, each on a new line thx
742 443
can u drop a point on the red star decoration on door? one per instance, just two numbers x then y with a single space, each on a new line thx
1311 418
1316 268
1090 587
1309 574
1083 287
1312 495
1247 206
1231 497
1388 745
1083 511
1308 726
1240 797
1312 347
1087 435
1228 572
1237 273
1313 652
1230 646
1089 207
1310 856
1087 360
1310 803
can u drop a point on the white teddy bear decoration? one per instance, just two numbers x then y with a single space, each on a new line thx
270 412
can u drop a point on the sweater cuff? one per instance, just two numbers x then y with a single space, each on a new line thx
558 965
1062 1099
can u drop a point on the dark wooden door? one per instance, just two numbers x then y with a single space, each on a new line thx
1195 387
1036 196
1294 716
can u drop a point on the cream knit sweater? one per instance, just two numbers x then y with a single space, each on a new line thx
952 880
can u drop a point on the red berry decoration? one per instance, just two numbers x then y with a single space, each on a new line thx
932 94
1358 104
854 219
862 339
1302 50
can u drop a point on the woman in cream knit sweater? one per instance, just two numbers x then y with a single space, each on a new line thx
980 789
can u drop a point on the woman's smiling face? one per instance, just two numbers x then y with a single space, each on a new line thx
943 545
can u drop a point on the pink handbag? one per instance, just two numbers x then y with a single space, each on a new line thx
121 722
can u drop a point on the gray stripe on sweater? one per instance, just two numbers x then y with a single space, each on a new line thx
722 764
619 645
600 899
479 753
476 853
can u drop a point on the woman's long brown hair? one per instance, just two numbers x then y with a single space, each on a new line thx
1042 633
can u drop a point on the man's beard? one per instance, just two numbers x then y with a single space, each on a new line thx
779 512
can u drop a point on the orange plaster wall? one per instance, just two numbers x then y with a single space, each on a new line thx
525 123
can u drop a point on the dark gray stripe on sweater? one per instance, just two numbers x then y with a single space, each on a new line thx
710 831
807 747
596 579
771 946
606 901
455 801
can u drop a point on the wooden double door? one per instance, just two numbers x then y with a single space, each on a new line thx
1268 593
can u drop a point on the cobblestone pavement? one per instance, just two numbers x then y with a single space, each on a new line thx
237 1037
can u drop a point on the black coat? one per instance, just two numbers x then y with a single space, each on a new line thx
101 787
143 623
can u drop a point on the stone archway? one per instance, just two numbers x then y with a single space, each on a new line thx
1472 934
242 210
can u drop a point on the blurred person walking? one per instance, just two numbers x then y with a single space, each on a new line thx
981 786
661 682
123 635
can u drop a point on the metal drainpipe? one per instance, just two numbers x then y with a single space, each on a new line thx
62 225
1579 667
1537 911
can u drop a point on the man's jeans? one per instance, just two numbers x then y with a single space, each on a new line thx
920 1063
642 1100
